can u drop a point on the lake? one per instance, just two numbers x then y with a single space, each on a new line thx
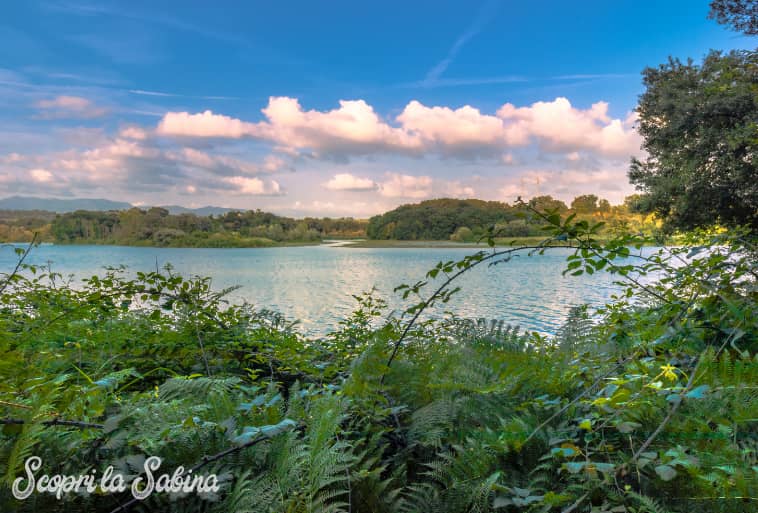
313 284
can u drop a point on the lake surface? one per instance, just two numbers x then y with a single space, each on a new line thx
314 284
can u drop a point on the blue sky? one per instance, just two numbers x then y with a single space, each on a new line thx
239 103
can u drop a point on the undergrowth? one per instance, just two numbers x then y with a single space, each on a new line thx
648 404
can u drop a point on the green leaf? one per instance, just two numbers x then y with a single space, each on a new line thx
628 427
665 472
276 429
698 392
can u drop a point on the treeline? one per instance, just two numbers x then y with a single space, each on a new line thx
468 220
21 225
156 226
440 219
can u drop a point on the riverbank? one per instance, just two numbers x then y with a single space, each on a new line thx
342 243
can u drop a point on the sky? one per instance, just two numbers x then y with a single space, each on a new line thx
336 108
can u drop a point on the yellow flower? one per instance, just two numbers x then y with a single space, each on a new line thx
668 372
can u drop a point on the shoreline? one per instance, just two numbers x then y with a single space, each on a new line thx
331 243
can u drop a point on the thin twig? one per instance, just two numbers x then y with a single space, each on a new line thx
442 287
578 397
8 278
55 422
676 404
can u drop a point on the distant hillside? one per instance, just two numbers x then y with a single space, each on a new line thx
60 205
200 211
63 206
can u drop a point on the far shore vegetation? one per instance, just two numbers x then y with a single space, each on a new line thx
434 223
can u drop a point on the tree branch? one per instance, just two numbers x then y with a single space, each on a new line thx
55 422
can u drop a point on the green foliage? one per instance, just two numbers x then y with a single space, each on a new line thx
456 220
700 133
742 15
645 404
471 220
156 226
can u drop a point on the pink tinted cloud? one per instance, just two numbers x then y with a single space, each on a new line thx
354 128
69 107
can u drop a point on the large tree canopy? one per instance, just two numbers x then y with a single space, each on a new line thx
740 14
700 130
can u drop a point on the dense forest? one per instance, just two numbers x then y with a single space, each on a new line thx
21 225
646 404
469 220
155 226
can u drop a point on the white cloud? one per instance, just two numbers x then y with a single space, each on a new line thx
406 186
205 124
69 107
348 182
223 164
558 126
41 175
608 182
457 190
254 186
12 158
356 129
353 128
463 127
122 164
581 150
133 132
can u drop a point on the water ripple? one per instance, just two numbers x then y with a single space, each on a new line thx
315 284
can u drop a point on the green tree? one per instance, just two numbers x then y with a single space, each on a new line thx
632 203
585 204
700 131
741 14
463 234
547 203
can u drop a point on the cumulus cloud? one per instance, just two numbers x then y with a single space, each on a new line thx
463 128
41 175
406 186
254 186
348 182
11 158
352 128
206 155
608 182
204 124
456 189
134 164
223 164
69 107
133 132
558 126
507 159
356 129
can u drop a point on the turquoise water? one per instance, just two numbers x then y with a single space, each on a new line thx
314 284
